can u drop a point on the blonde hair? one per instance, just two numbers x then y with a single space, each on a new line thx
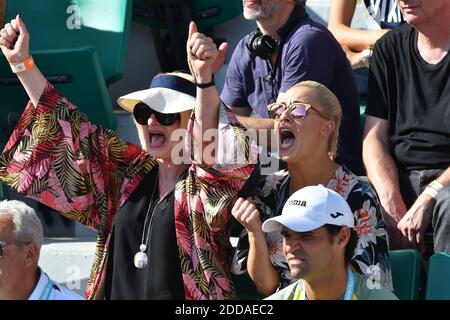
184 116
330 107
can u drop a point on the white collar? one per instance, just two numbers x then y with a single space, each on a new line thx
40 286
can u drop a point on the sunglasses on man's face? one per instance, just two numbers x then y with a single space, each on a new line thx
3 244
143 112
298 110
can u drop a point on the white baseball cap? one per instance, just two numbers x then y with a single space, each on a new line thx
168 93
310 208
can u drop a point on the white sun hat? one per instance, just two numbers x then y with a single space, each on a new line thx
168 93
310 208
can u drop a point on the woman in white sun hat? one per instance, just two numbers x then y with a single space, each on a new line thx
163 223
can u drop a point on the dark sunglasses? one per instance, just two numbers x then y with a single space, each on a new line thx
298 110
143 112
3 244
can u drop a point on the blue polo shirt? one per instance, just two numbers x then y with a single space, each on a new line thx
309 52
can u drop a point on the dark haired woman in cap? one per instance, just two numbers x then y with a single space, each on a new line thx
163 223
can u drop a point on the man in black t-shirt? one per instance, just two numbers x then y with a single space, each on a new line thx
406 146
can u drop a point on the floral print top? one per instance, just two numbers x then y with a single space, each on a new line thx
86 172
371 253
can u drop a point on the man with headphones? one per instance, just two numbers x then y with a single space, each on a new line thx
289 47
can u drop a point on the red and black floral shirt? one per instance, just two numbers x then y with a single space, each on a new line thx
86 172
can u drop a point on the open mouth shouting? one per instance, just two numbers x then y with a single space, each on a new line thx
287 138
157 138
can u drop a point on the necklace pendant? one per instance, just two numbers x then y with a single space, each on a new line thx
140 260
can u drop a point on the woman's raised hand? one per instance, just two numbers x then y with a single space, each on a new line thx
15 40
203 56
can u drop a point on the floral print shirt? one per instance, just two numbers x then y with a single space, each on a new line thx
371 253
86 172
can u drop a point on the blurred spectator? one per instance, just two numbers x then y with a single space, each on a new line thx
289 47
407 144
21 239
357 43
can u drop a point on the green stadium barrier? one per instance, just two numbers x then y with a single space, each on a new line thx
61 24
81 81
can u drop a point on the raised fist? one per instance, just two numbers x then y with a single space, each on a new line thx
14 41
245 211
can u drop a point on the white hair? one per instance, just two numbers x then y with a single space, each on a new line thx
26 224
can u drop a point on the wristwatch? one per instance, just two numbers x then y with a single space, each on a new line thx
365 55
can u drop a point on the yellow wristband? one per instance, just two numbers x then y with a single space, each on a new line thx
25 65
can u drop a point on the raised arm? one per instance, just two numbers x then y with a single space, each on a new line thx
59 158
202 54
14 42
259 266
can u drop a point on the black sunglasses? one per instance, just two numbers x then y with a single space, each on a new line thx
143 112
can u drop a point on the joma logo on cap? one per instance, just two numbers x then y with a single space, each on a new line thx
335 215
297 203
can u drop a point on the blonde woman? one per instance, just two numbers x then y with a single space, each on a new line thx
307 122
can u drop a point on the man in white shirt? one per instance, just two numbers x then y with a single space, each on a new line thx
21 238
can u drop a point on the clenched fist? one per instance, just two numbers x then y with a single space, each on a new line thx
245 211
14 41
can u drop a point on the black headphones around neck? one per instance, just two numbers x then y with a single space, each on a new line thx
264 46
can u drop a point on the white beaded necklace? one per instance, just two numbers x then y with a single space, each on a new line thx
141 257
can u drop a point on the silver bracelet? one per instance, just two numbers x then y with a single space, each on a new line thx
365 55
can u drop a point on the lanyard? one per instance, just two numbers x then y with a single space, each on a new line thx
348 291
45 295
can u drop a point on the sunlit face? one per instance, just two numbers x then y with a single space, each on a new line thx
159 140
420 12
12 262
311 254
300 138
257 10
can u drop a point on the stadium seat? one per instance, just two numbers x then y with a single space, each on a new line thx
80 45
205 13
438 280
81 81
62 24
405 265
